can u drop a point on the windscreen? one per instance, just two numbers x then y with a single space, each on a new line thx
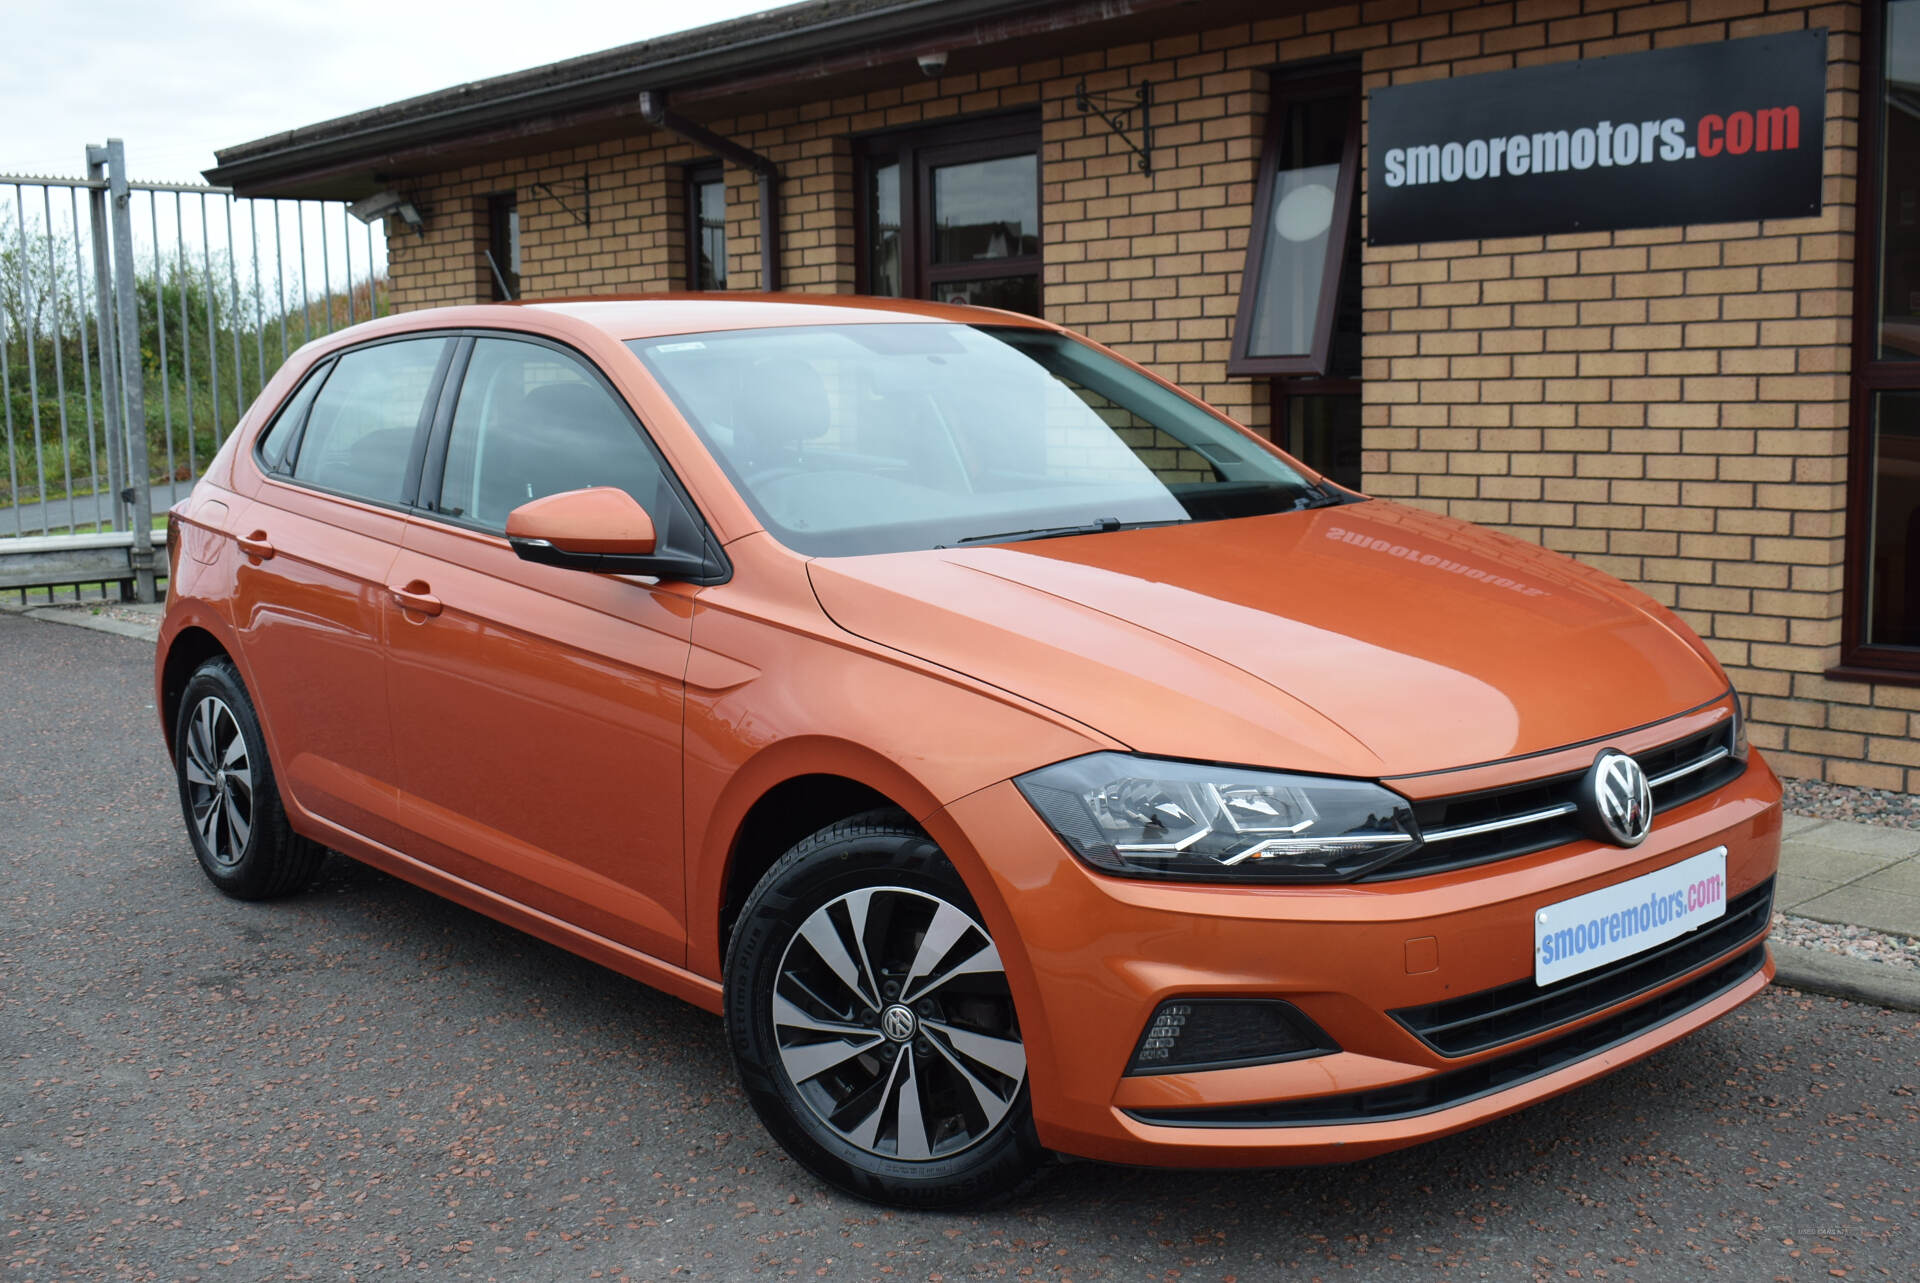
857 439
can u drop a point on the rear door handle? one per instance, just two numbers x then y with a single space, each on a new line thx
417 597
256 545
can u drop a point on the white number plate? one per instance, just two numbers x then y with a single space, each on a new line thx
1619 921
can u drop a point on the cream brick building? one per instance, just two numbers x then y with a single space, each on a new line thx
1683 406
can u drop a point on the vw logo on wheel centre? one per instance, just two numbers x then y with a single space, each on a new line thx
898 1023
1616 799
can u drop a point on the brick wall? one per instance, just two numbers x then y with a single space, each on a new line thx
1669 405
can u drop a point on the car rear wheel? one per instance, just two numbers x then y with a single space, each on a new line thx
228 796
871 1020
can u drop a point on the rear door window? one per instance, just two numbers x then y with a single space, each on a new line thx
360 433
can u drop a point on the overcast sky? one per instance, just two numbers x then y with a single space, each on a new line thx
178 78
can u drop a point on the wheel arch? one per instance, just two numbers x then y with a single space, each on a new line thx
186 651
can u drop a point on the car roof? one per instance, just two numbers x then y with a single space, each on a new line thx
658 315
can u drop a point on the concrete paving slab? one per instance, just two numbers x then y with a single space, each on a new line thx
1797 825
1863 839
1838 865
1866 906
1790 889
1900 879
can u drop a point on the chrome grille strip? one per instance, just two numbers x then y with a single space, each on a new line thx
1718 754
1505 822
1702 764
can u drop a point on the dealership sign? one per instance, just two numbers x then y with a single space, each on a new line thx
1710 133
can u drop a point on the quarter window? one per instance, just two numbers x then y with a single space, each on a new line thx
531 422
277 441
360 433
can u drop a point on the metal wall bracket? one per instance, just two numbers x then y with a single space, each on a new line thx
1117 109
575 188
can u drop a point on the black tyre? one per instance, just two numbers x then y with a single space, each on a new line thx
871 1021
232 807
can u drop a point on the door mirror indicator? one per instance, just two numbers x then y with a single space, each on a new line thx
601 529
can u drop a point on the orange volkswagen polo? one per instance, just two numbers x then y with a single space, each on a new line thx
1018 754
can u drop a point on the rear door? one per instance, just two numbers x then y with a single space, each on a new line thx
537 710
316 544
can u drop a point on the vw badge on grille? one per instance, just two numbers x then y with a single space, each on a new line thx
1615 799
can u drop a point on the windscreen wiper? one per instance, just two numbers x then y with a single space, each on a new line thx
1320 496
1101 526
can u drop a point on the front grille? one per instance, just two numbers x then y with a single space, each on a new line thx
1477 1021
1496 824
1470 1082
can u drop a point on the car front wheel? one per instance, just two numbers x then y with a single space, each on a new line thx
870 1017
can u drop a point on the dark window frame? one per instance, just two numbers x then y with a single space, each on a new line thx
1286 90
919 152
503 238
1861 659
1282 391
694 177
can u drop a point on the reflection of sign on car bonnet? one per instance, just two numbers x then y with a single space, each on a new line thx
1710 133
1433 560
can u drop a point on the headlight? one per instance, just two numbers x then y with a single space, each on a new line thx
1741 749
1143 817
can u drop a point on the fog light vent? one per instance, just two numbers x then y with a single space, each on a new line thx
1222 1033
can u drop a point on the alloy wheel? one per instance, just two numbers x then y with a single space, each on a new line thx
219 776
894 1023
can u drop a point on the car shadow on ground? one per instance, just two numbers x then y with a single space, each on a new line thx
1647 1104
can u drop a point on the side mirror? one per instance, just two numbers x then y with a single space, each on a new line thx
600 529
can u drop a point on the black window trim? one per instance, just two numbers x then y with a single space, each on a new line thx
1288 87
440 432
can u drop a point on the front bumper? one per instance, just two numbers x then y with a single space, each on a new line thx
1090 957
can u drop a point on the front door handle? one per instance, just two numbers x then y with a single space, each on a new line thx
256 545
417 597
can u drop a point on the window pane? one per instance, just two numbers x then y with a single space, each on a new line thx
280 433
1323 432
533 422
1893 567
710 233
1900 179
360 433
1014 293
883 230
503 246
1293 262
986 209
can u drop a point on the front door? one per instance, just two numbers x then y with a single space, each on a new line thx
537 710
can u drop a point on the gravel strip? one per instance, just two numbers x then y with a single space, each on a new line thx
1849 941
1844 802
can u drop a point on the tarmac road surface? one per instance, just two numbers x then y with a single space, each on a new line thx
366 1081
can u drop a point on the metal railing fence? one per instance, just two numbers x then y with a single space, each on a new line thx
137 323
